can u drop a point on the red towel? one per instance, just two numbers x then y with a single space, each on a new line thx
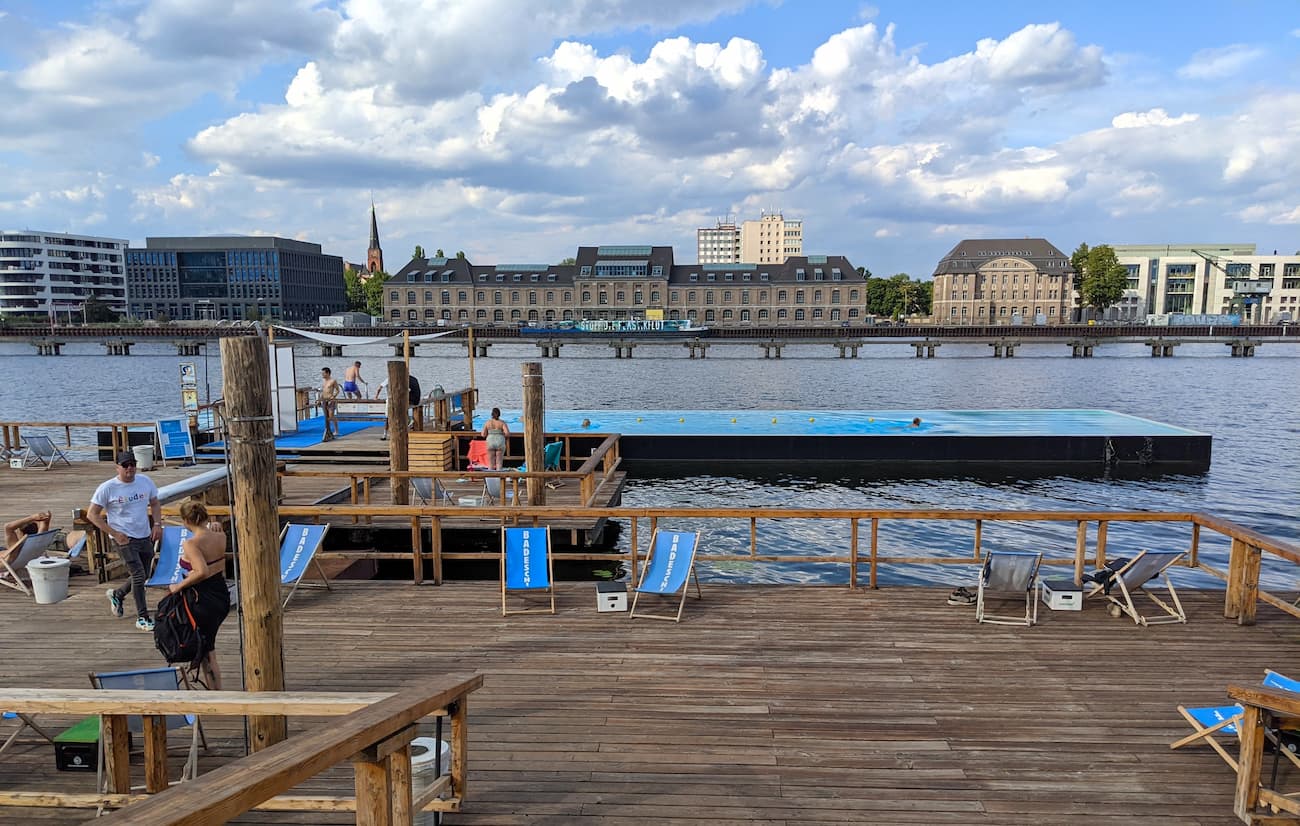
478 454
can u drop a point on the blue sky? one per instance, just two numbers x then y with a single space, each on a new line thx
518 130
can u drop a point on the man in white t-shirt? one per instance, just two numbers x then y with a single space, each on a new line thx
126 507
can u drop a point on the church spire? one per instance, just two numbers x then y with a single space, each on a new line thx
375 255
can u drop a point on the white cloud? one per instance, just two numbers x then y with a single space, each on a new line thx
1220 62
1152 117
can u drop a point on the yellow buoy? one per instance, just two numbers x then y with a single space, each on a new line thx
773 421
871 420
733 419
811 419
638 418
681 420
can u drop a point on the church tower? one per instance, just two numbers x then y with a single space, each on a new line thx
375 255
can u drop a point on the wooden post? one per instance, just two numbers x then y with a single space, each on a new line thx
155 753
469 418
853 553
1080 551
1249 585
1099 557
117 756
1232 594
245 373
534 435
1249 762
399 394
875 550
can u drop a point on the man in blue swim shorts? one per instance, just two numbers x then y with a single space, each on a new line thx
351 377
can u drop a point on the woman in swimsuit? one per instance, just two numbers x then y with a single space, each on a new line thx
203 558
496 433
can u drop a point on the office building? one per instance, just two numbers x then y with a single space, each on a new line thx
769 240
235 278
45 275
718 244
1003 281
1211 279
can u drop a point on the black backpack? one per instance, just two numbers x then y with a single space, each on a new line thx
413 390
175 631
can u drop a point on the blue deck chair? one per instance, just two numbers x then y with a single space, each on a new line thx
1206 721
1009 573
1142 571
76 543
551 455
298 547
34 545
526 566
668 571
167 567
170 678
42 452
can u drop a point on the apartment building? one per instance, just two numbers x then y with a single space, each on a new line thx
627 282
44 275
769 240
234 277
718 244
1208 278
1003 281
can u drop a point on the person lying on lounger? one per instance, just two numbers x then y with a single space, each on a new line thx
17 531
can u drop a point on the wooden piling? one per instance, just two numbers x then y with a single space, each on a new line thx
399 394
245 373
534 430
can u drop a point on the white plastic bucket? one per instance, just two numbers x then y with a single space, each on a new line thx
143 456
423 752
49 579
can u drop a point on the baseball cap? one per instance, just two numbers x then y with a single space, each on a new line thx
125 457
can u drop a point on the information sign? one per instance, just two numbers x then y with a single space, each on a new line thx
174 436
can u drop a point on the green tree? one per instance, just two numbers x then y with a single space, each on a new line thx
568 262
374 289
418 254
440 254
1104 279
97 312
460 254
1079 263
355 290
898 295
864 272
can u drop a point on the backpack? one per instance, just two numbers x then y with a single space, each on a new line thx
176 633
413 390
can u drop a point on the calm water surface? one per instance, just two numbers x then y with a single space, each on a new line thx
1247 405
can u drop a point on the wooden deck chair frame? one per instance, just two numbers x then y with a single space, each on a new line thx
25 722
35 545
992 560
527 536
315 560
42 450
1140 564
1229 718
649 565
182 683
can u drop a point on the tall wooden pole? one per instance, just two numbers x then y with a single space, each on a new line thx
534 435
406 351
399 394
246 382
473 388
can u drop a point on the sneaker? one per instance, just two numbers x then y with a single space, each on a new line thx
144 624
114 603
965 598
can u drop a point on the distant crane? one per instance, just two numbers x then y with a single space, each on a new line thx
1247 291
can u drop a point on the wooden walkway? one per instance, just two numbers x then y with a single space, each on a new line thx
766 705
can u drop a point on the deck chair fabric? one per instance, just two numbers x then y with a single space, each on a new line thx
526 567
1009 573
495 492
551 455
169 678
477 455
431 492
167 568
42 452
34 546
1207 721
298 547
668 571
1143 570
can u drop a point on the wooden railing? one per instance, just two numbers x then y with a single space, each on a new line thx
374 731
11 436
1259 704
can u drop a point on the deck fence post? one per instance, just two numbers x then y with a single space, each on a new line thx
875 548
853 554
1080 550
534 431
1232 594
399 397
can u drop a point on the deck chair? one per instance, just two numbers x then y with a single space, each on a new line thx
24 722
42 452
76 544
1207 721
526 566
495 491
551 456
668 571
477 455
431 491
170 678
1135 576
298 547
1009 573
167 568
34 545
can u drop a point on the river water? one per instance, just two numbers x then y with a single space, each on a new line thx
1247 404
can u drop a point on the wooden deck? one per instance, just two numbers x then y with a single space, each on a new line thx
766 705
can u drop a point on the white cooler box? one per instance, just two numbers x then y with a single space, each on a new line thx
611 596
1062 594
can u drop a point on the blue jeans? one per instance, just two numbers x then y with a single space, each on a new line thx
136 554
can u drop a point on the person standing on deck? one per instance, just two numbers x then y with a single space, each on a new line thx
203 559
126 507
412 396
496 433
351 377
329 393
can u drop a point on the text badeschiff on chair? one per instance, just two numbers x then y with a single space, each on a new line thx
668 571
1207 721
33 546
1138 575
526 567
170 678
1009 574
298 547
167 568
42 452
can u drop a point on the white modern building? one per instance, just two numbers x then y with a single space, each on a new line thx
47 274
769 240
1208 278
718 244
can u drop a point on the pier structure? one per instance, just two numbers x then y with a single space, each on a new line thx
1242 347
926 348
550 349
1082 348
1162 347
118 347
772 348
697 348
48 346
848 348
1004 347
622 348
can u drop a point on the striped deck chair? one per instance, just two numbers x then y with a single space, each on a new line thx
1009 574
167 568
298 547
34 545
668 571
526 566
1137 575
1207 721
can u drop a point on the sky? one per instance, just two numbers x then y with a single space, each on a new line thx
518 130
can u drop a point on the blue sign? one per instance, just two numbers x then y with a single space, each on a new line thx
174 436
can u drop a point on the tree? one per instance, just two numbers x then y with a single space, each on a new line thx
1104 279
418 254
440 254
568 262
97 312
355 290
374 289
864 272
898 295
460 255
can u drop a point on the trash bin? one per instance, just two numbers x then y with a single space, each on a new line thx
49 579
423 752
143 456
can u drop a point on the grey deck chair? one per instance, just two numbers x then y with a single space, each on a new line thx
1141 572
42 452
34 545
169 678
431 491
1009 574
